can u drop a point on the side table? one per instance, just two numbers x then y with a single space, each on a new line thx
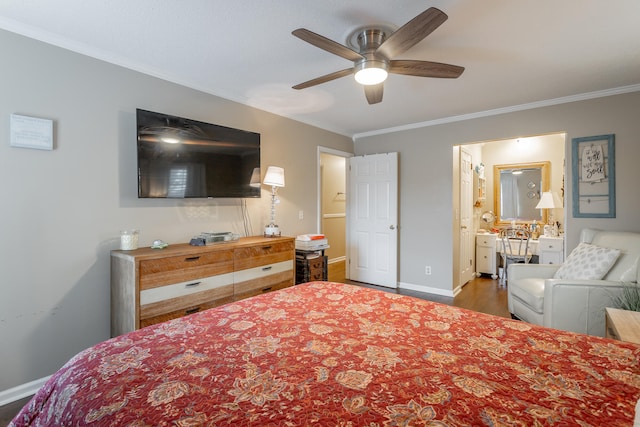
311 265
623 325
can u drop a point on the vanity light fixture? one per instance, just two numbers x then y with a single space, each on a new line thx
275 178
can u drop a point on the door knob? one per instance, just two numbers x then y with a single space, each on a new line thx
392 227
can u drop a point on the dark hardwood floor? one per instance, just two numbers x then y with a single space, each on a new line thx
481 294
7 412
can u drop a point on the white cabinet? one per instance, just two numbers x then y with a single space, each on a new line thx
486 255
479 189
551 250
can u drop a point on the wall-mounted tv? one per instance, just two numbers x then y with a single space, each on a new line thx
183 158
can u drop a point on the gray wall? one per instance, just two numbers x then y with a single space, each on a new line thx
62 210
426 168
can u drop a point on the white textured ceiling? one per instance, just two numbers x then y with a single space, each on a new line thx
516 52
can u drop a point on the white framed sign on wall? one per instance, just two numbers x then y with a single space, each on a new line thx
31 132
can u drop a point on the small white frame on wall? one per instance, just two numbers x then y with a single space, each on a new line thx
31 132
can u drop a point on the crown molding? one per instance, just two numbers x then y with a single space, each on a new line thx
504 110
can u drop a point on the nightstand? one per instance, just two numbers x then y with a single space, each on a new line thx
623 325
311 266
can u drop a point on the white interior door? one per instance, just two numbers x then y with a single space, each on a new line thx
373 219
466 201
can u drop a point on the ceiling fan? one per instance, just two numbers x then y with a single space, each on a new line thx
373 61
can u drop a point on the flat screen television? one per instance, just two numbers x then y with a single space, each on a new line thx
183 158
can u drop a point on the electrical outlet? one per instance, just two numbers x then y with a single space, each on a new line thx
301 214
427 270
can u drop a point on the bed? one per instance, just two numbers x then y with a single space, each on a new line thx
332 354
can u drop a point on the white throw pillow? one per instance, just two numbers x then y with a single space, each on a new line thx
588 262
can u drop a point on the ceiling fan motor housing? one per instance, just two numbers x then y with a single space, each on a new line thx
369 40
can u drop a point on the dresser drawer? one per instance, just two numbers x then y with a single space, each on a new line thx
262 255
265 288
317 274
163 317
549 245
488 240
262 279
175 269
316 264
169 298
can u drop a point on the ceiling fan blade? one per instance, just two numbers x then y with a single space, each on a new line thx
425 69
324 79
412 32
373 93
327 44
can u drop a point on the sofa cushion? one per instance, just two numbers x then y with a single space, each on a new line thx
587 262
631 274
629 245
530 291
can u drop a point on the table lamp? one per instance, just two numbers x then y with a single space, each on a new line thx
549 200
275 178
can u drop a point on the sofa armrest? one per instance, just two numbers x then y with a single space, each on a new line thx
578 305
543 271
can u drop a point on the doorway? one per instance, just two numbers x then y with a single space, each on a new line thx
332 203
484 156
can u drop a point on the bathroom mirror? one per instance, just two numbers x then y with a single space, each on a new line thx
516 192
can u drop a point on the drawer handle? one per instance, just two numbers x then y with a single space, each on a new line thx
266 248
192 285
192 258
267 268
192 310
267 289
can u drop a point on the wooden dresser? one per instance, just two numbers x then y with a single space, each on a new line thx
154 285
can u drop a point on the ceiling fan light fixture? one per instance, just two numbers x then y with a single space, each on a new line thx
170 140
371 72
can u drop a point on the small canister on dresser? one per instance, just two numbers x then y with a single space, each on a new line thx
129 240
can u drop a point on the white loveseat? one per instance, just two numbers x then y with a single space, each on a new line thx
573 304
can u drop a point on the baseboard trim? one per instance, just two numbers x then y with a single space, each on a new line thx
426 289
21 391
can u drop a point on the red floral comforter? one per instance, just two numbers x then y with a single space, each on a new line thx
331 354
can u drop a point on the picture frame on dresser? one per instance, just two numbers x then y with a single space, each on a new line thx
593 175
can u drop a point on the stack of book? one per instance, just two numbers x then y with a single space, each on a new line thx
311 242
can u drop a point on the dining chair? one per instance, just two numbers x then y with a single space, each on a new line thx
515 248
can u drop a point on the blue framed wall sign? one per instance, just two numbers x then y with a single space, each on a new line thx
594 176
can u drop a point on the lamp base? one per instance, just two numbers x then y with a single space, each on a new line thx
272 230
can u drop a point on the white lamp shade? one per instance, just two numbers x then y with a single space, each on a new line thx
274 176
549 200
255 178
